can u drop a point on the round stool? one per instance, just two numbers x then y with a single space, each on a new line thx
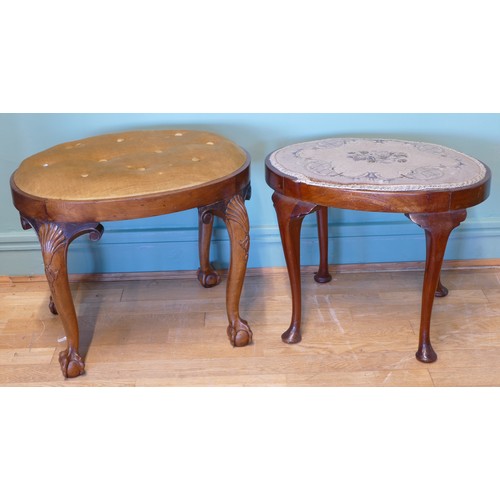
70 189
431 184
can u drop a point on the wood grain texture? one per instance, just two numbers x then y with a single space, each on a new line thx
360 332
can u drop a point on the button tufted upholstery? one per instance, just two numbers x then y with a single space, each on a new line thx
129 164
68 190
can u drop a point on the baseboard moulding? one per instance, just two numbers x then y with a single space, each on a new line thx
261 271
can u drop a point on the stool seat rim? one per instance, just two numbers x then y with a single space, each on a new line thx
415 201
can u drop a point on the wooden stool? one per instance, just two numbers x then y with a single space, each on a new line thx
68 190
432 185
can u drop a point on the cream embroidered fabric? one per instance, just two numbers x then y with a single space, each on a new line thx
378 165
128 164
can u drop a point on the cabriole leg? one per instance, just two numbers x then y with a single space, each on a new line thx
290 214
437 227
207 275
323 276
235 216
55 239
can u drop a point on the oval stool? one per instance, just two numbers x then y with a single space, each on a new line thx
68 190
431 184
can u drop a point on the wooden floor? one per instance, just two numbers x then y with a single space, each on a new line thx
359 330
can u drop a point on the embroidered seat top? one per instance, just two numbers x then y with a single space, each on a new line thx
377 165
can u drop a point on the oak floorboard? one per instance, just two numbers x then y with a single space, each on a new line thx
377 378
466 377
224 380
361 329
456 297
26 356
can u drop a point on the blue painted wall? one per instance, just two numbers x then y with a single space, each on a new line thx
170 242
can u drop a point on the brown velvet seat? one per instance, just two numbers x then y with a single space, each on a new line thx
130 164
68 190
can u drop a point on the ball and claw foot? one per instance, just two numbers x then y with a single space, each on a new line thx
240 334
210 279
52 306
71 363
291 336
426 354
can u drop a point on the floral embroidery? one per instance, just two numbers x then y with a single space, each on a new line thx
378 156
378 164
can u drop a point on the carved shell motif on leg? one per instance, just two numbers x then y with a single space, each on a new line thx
236 212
